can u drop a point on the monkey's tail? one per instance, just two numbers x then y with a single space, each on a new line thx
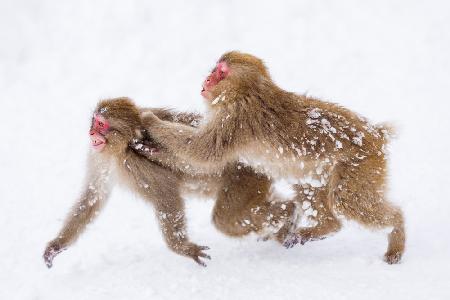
387 130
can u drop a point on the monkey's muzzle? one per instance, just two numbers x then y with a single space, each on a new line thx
98 141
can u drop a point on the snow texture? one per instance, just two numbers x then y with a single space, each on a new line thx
388 60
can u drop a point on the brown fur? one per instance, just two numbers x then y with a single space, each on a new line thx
161 180
245 199
156 184
290 135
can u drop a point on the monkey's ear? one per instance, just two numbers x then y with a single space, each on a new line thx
138 134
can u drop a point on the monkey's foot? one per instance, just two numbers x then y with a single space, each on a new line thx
293 239
301 236
393 258
271 233
195 252
50 252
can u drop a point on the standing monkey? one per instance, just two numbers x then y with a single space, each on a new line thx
160 179
289 135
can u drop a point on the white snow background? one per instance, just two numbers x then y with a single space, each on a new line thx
388 60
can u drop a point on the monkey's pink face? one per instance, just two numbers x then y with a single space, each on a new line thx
219 73
99 128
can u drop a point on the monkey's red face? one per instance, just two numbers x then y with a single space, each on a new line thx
99 128
219 73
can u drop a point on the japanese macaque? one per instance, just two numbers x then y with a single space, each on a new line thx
245 203
290 136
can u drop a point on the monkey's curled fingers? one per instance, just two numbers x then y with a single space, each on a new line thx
195 252
143 148
53 249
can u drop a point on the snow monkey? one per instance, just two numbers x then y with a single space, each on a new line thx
242 194
287 135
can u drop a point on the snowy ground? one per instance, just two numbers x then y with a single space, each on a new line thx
388 60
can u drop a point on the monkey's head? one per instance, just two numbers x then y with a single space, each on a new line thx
115 122
234 72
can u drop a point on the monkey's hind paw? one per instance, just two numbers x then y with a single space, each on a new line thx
393 258
293 239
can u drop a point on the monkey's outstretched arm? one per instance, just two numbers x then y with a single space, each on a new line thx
213 143
91 201
187 118
154 151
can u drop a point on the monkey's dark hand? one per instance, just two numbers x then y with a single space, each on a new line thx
144 148
53 249
195 252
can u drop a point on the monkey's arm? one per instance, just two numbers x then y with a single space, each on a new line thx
172 221
187 118
154 151
214 143
95 194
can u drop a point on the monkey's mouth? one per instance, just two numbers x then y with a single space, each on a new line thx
204 93
98 141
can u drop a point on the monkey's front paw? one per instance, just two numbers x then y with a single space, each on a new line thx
393 258
195 252
51 251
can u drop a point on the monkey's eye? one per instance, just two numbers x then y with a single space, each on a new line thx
100 124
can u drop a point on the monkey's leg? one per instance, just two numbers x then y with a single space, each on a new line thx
317 214
397 237
171 217
359 195
85 210
243 206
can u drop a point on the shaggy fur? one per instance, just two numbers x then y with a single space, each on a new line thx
288 135
161 180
